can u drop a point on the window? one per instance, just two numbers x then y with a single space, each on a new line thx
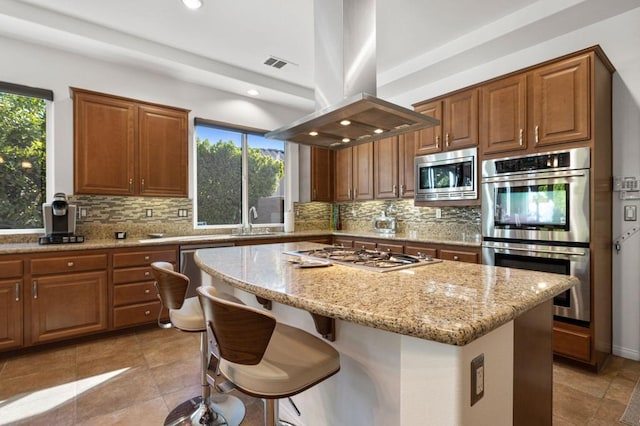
23 145
240 177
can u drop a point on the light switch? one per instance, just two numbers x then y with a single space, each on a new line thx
630 213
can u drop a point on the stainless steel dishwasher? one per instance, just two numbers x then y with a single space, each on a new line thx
188 265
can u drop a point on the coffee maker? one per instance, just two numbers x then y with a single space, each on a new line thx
59 221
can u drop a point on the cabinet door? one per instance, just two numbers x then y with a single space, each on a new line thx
10 313
321 175
363 172
407 149
461 120
344 173
163 151
104 140
430 139
561 102
503 115
385 160
68 305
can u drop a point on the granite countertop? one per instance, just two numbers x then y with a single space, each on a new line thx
89 244
448 302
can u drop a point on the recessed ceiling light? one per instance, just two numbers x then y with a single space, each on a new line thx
253 92
313 133
193 4
345 140
345 122
378 131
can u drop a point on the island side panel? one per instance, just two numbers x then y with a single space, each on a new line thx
533 367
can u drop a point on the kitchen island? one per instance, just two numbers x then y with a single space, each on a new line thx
407 338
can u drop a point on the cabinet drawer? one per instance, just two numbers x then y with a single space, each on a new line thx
417 250
572 343
460 256
367 245
143 258
135 314
393 248
130 275
11 268
56 265
126 294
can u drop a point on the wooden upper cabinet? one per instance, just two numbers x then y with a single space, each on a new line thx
458 115
104 144
363 172
344 174
561 102
321 174
460 128
163 151
503 115
429 140
407 149
385 160
126 147
354 173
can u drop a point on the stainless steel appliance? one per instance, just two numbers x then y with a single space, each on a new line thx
535 215
370 260
188 265
449 175
59 221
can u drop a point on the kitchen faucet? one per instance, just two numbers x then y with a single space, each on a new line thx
253 211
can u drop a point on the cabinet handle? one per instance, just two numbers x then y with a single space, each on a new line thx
70 264
437 141
17 292
147 258
35 289
537 134
349 194
147 291
130 185
446 140
142 185
146 274
456 258
147 313
394 189
314 193
521 137
401 189
355 193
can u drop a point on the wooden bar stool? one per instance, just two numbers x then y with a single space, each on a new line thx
262 357
186 315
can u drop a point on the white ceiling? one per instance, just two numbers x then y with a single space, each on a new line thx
225 43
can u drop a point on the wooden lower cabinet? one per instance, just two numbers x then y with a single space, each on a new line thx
11 304
135 299
572 341
68 305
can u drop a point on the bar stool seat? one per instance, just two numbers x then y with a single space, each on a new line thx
262 357
189 317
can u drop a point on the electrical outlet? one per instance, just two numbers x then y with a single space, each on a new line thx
630 213
477 379
182 213
438 213
149 212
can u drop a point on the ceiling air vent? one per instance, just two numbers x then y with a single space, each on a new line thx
274 62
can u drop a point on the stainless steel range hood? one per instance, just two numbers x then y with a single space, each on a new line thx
347 111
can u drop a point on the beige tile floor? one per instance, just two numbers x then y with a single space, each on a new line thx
134 378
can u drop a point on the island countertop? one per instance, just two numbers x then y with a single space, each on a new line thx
448 302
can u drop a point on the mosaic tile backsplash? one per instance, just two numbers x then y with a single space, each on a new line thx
101 216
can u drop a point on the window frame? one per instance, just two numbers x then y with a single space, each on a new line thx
245 132
48 97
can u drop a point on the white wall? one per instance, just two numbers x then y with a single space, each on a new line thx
619 37
48 68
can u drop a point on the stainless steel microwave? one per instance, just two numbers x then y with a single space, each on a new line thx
451 175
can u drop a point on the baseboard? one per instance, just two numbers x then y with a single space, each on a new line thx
626 353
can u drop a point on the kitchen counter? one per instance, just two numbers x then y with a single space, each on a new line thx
447 302
407 338
18 248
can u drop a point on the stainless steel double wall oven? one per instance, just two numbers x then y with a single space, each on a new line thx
535 212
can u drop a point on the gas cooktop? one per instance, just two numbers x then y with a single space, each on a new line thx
371 260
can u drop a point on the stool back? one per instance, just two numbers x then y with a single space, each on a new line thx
242 332
171 285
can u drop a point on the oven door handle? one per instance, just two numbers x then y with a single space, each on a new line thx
532 177
566 253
